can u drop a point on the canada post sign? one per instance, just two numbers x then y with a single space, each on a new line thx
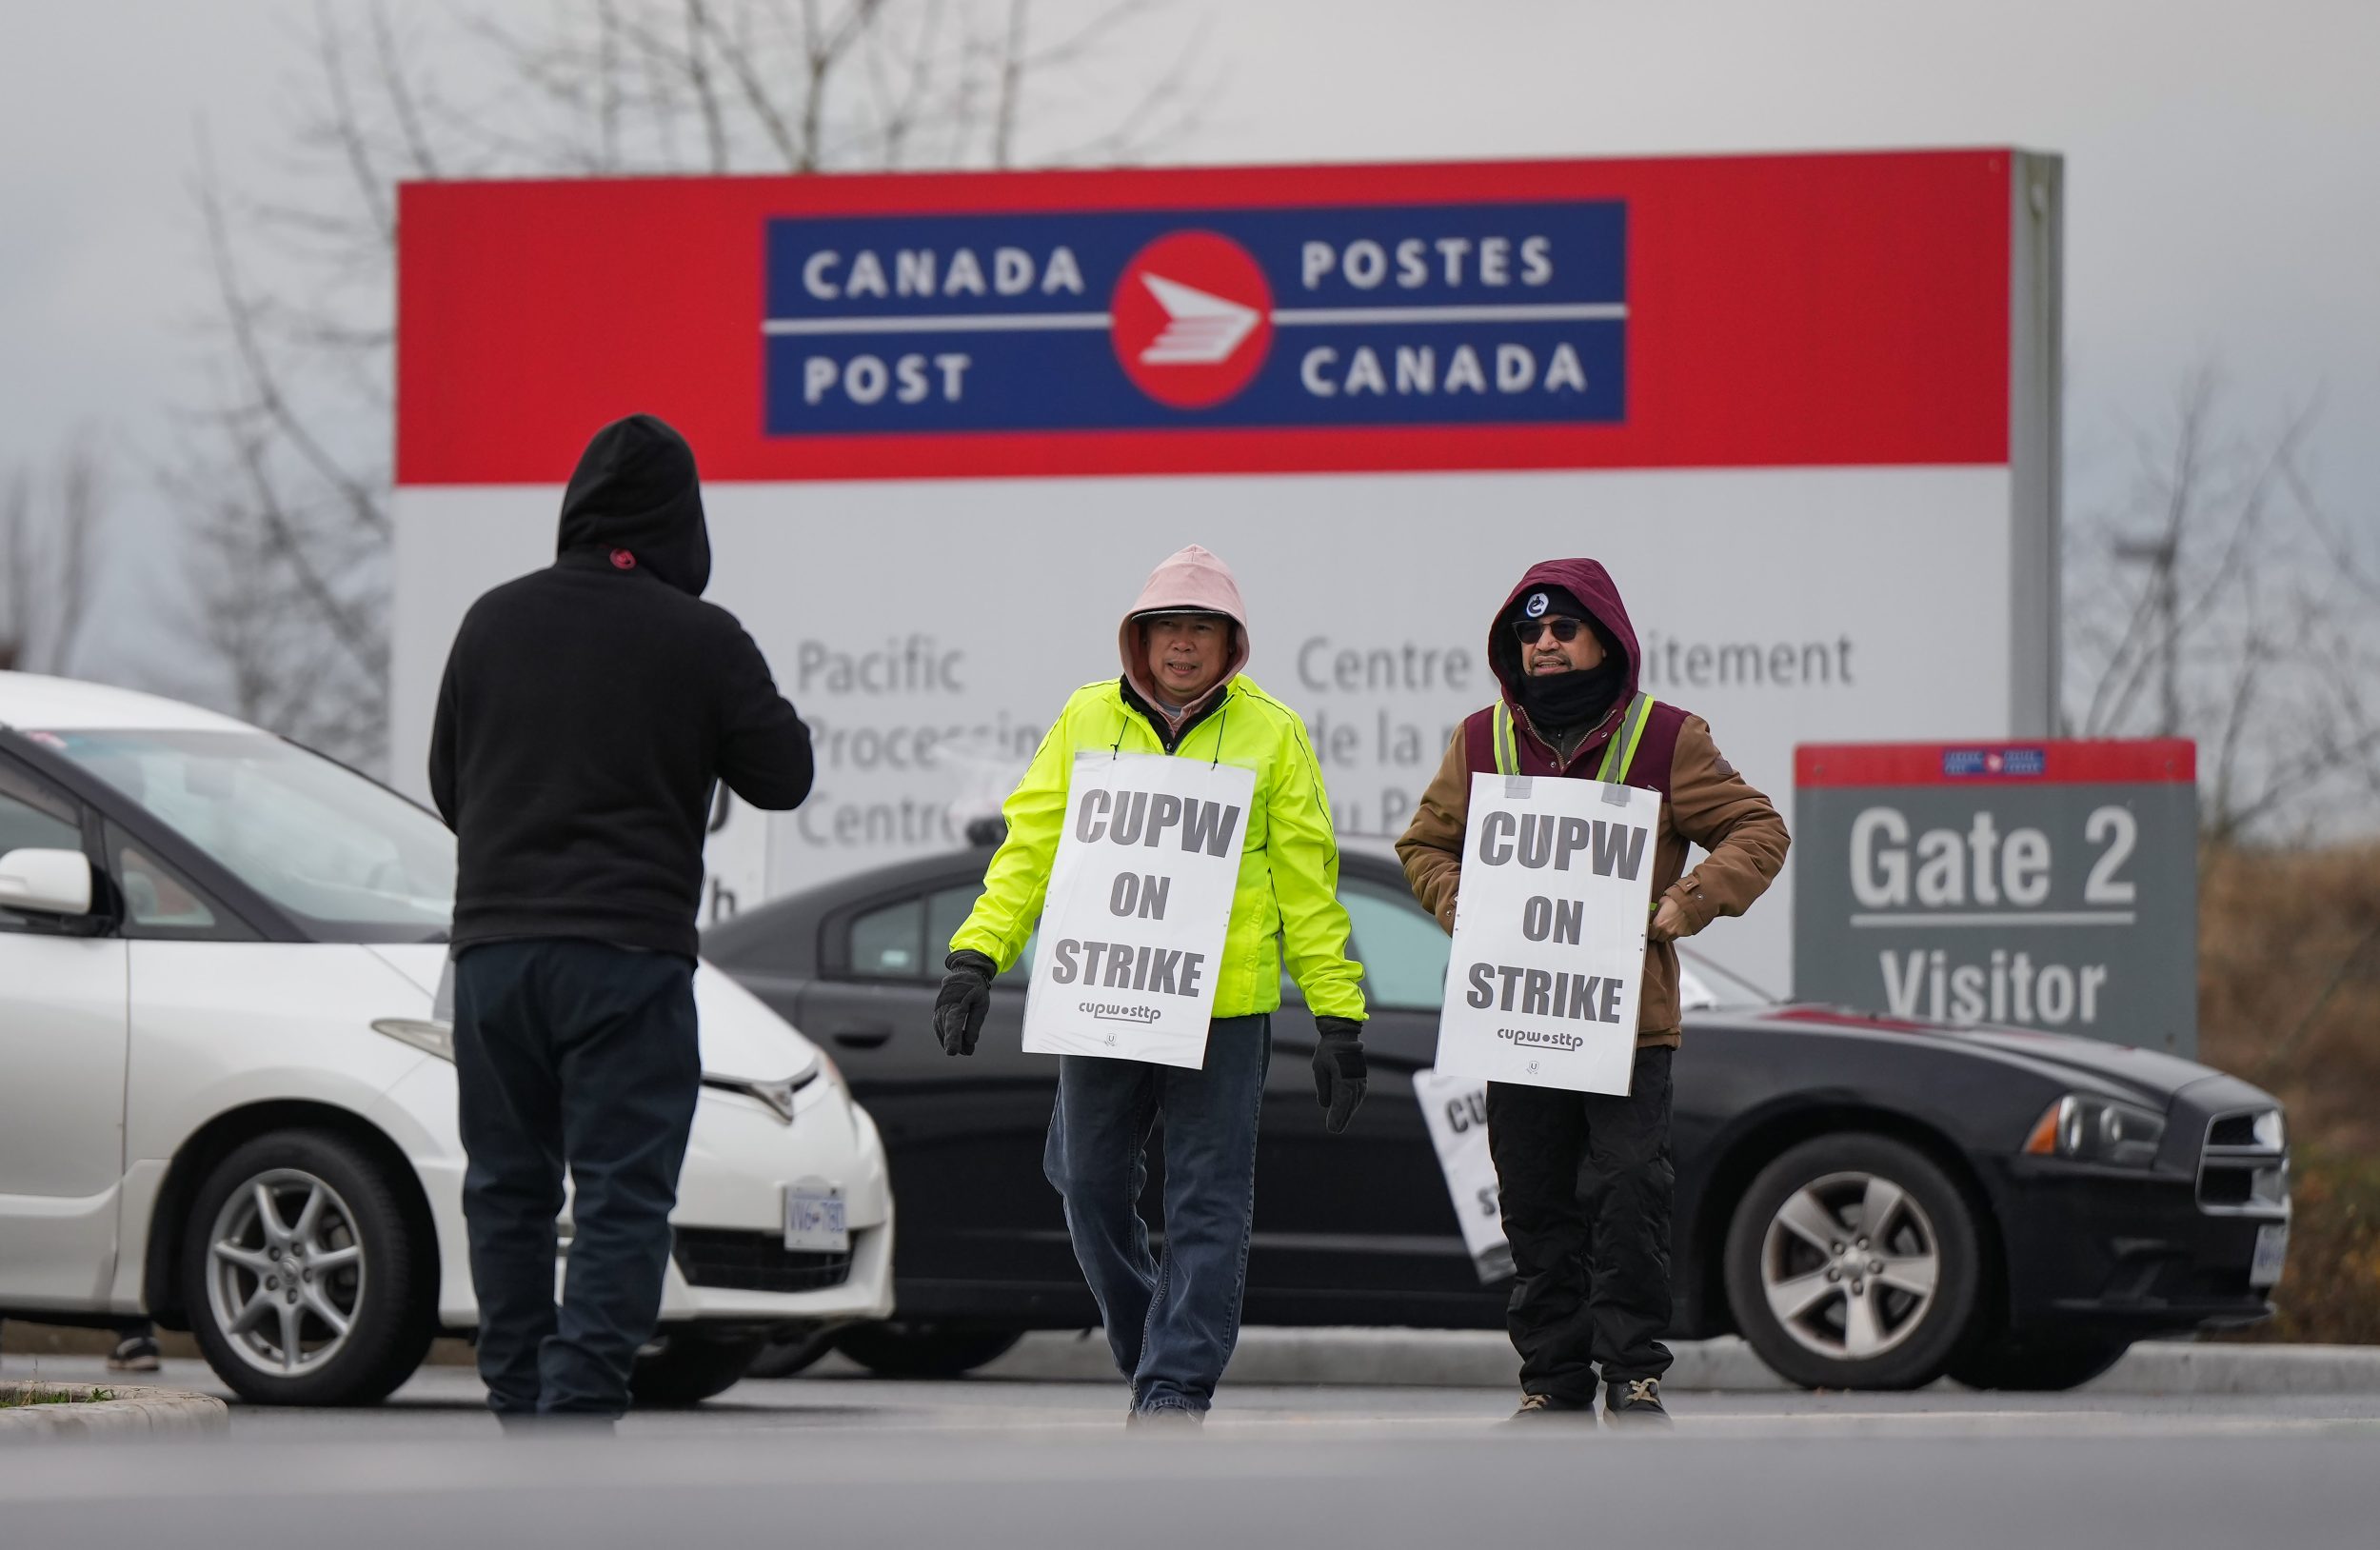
1421 314
2049 885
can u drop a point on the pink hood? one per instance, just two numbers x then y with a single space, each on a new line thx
1187 579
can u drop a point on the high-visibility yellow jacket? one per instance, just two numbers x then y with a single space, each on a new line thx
1287 898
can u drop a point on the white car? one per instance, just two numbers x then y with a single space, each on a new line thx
225 1099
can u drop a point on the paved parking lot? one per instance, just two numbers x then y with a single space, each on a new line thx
991 1463
836 1457
445 1404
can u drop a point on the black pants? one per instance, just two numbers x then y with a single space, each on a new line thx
580 1056
1586 1181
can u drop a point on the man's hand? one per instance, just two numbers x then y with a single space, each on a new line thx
966 995
1339 1076
1669 923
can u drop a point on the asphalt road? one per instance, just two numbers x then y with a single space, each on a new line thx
837 1458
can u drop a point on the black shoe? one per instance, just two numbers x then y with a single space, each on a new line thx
1634 1402
1535 1407
136 1354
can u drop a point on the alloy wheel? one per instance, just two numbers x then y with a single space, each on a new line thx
1850 1265
286 1272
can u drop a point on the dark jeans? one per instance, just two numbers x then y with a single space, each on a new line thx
581 1055
1586 1181
1172 1323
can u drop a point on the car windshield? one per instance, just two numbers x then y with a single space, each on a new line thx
349 860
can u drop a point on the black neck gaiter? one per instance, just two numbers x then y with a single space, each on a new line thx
1560 702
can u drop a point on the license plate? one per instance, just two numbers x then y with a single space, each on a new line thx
814 1222
2272 1248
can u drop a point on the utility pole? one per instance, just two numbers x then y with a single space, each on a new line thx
2161 554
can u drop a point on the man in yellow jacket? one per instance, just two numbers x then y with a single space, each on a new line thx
1172 1325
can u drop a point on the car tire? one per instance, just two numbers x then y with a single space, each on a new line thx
785 1357
904 1350
2045 1363
1800 1264
687 1365
339 1226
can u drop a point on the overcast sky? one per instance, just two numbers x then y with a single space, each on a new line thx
2222 160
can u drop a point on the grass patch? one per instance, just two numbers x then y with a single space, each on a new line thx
2331 1292
32 1394
2288 998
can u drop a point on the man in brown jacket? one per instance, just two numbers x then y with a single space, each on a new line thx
1585 1178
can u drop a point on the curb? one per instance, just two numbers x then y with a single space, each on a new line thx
1483 1359
131 1412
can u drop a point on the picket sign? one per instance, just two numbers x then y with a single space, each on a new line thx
1455 1109
1542 985
1139 903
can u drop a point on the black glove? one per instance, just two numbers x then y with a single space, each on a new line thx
967 996
1338 1070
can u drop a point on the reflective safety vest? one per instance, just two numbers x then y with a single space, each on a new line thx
1620 754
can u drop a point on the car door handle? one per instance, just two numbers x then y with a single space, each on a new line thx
862 1038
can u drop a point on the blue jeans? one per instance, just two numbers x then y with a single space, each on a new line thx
571 1055
1171 1323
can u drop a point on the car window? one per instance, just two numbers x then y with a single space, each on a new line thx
352 861
909 938
1403 951
160 903
34 815
949 911
889 942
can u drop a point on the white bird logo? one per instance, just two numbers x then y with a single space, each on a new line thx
1200 328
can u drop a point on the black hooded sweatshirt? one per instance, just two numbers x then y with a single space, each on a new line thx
589 709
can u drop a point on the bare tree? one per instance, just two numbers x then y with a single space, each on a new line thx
286 477
2220 602
50 521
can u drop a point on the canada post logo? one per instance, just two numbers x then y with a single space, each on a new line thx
2003 762
1392 315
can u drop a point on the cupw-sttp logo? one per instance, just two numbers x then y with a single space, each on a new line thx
1397 315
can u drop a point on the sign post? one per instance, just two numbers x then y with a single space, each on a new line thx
1549 933
1139 905
2050 885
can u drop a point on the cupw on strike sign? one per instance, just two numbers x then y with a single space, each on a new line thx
1139 903
1549 933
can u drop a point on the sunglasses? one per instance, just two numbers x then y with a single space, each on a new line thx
1564 629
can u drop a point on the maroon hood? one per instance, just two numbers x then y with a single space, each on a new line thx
1592 585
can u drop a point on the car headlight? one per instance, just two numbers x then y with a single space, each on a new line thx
2097 1131
2271 1133
430 1038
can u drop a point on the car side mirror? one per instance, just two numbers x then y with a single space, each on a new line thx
45 882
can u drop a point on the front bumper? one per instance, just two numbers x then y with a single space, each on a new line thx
729 1264
2166 1249
2134 1254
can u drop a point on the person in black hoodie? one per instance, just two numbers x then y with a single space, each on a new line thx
587 711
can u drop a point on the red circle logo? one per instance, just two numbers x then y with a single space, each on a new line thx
1193 318
622 560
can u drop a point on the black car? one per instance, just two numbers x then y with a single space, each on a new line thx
2037 1202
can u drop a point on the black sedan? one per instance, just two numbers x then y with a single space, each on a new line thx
1871 1203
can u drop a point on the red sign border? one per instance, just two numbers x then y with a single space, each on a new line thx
2154 761
1871 327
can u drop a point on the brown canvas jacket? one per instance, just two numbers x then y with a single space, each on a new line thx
1705 801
